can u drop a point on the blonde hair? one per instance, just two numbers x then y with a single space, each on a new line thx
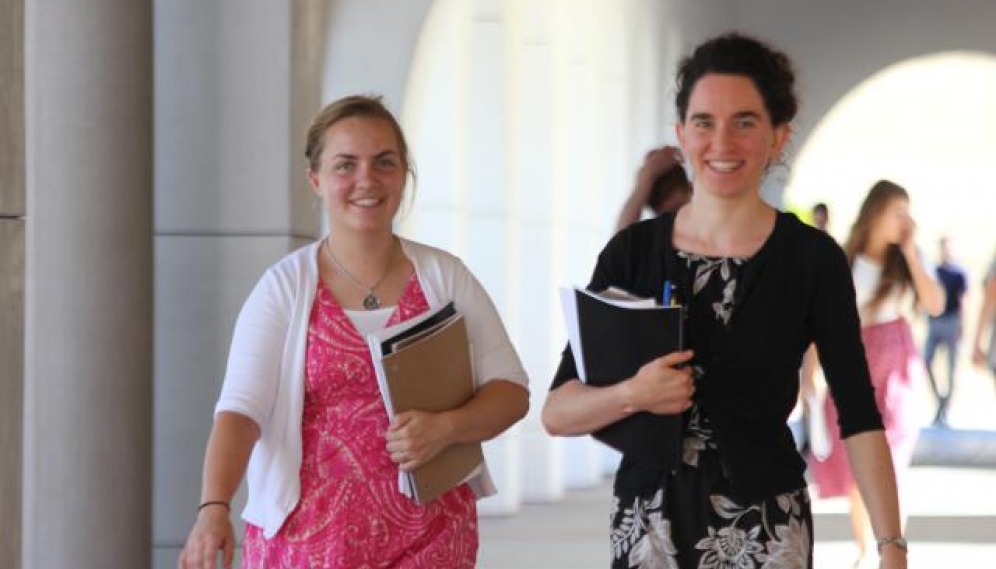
347 107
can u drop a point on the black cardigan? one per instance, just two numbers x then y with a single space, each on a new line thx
796 290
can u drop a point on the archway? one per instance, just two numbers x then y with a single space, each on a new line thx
927 124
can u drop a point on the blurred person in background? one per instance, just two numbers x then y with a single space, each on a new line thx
821 216
661 186
986 323
812 431
945 330
891 282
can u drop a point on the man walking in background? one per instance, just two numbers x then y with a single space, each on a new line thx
946 329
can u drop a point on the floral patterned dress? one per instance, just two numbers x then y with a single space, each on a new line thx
690 520
351 514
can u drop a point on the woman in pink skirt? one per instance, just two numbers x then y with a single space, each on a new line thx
300 414
891 281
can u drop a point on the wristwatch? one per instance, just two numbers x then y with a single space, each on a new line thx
898 541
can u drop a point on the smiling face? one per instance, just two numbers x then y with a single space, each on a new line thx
361 174
728 137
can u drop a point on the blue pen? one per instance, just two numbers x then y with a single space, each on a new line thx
667 293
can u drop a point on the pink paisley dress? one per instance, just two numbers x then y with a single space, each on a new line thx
350 513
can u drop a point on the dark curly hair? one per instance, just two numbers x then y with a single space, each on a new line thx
735 54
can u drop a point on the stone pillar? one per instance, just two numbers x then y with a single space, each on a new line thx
237 86
12 210
532 112
484 203
11 387
88 303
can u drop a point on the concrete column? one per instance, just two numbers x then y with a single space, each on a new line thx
12 209
11 388
88 305
483 199
11 108
586 150
532 113
237 85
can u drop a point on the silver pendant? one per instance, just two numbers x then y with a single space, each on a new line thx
371 302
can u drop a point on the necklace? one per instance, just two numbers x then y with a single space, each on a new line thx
371 301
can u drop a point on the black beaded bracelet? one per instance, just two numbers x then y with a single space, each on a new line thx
214 503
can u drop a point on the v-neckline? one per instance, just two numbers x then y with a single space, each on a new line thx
391 320
749 270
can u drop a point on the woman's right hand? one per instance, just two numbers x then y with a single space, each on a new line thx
212 532
661 387
657 162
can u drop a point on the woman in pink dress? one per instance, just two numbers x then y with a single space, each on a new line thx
300 415
890 281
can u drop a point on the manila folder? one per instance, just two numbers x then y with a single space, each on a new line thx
436 374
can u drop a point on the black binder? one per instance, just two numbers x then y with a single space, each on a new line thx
615 341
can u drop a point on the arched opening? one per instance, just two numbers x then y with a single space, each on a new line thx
927 124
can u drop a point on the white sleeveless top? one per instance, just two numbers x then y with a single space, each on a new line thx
369 321
897 304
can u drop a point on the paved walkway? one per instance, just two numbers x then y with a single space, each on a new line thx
952 525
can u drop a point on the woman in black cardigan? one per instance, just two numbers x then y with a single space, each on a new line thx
759 287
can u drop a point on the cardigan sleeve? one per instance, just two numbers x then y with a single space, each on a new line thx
252 375
836 331
444 277
494 355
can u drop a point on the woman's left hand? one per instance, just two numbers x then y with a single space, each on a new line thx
416 437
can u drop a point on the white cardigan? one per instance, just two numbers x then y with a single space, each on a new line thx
264 379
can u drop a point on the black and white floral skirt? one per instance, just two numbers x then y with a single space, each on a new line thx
690 522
